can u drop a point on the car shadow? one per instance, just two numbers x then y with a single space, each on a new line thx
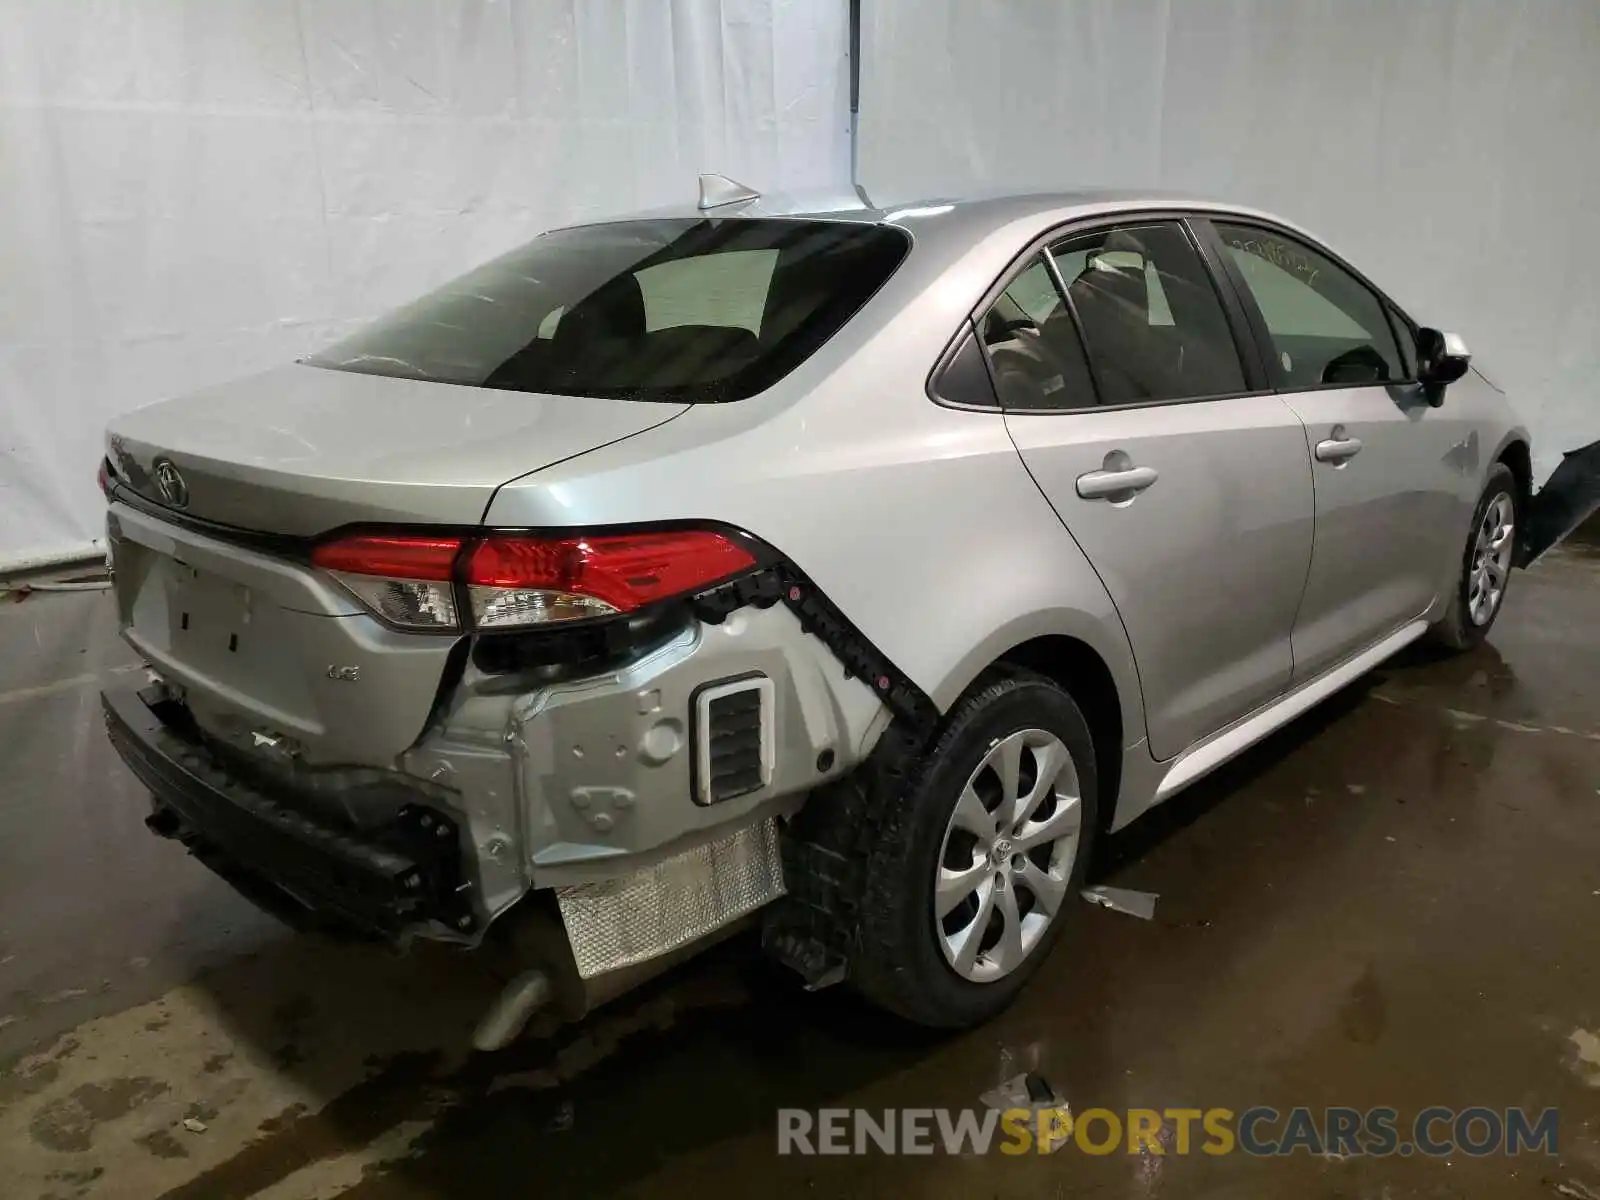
1117 851
706 1052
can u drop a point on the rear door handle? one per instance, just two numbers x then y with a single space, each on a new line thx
1338 449
1102 485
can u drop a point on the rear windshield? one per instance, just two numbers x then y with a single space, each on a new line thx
696 311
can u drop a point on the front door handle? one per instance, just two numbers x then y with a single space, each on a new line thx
1338 449
1126 483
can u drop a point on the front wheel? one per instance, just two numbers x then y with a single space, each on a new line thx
1480 589
969 871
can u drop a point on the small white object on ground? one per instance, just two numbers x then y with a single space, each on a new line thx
1030 1092
1135 904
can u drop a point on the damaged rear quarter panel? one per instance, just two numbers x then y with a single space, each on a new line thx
591 778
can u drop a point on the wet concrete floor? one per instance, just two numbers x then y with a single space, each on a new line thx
1395 902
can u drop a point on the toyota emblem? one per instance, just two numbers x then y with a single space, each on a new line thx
170 483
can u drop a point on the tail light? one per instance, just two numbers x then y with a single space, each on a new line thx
516 582
405 580
103 477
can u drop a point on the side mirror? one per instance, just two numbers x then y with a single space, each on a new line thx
1442 359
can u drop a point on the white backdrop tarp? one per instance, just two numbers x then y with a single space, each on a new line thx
193 189
1448 147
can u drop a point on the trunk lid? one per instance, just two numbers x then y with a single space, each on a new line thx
300 450
274 656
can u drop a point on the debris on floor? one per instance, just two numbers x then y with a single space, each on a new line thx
1125 900
194 1125
1585 1056
1030 1091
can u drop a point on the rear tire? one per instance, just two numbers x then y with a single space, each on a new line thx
1004 874
1485 572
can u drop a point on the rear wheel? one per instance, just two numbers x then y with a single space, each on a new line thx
1480 590
969 871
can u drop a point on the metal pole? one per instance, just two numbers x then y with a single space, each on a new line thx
855 100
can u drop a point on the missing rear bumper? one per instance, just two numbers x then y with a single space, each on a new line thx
391 883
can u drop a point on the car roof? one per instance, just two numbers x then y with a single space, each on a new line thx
954 220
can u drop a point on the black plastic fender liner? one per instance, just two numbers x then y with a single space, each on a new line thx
811 929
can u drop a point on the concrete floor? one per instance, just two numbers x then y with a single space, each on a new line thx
1394 902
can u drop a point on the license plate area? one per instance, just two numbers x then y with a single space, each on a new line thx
191 614
208 616
265 644
217 633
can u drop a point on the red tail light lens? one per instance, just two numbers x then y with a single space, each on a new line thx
515 581
103 478
399 557
536 581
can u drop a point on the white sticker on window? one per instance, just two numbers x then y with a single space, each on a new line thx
1288 363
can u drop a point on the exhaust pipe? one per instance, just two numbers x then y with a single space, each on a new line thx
511 1011
163 822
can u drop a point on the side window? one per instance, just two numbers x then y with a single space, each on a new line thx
1033 346
1327 327
1152 321
964 378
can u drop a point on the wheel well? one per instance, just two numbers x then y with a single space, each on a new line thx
1518 458
1083 673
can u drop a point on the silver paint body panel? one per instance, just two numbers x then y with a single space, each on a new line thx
1381 552
1238 588
301 450
1231 509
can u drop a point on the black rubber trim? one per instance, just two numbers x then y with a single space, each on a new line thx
279 857
1230 287
279 545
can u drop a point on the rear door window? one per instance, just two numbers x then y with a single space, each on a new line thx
1033 346
1328 329
690 311
1152 321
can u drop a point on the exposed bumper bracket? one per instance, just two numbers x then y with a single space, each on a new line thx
302 870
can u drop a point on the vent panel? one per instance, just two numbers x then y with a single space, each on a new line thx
733 739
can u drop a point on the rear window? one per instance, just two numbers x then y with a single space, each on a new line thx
697 311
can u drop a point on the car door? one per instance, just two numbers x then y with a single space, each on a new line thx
1184 481
1385 463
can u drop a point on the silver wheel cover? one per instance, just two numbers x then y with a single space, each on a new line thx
1490 566
1007 855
